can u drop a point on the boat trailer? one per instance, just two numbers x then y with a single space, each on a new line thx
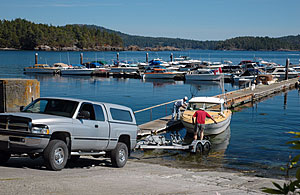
176 143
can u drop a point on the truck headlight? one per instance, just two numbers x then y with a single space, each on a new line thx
40 129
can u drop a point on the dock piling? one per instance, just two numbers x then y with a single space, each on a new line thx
147 57
287 69
36 58
81 58
171 57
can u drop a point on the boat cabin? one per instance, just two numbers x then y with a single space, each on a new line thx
210 104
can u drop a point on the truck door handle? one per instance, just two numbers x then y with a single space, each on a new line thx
96 126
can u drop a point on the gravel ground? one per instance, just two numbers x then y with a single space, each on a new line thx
96 176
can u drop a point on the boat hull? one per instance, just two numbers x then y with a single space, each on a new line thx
40 71
210 129
158 76
203 77
76 71
124 70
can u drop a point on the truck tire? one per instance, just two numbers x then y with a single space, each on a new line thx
56 155
4 157
119 155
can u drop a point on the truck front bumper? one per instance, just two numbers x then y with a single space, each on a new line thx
22 142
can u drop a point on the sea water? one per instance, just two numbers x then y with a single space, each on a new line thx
255 141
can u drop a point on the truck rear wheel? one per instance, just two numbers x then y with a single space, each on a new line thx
119 155
4 157
56 155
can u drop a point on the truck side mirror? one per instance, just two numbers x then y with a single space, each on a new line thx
84 115
21 108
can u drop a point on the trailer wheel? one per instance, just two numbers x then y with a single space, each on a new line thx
119 155
206 148
56 155
4 157
199 148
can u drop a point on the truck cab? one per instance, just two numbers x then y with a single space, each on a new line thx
65 128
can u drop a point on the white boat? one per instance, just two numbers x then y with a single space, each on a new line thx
214 107
124 68
158 73
203 75
279 72
249 75
77 70
41 69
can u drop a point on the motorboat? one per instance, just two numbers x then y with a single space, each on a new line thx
266 79
158 73
77 69
203 75
279 72
41 69
124 68
214 107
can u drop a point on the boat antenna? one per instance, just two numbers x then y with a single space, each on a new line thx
68 58
223 89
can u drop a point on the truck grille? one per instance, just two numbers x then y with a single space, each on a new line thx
14 123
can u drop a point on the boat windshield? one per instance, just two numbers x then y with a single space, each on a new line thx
56 107
207 106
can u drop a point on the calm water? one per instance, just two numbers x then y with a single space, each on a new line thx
254 143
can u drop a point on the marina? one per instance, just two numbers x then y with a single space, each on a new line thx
181 68
233 146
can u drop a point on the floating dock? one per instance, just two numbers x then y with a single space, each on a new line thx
233 98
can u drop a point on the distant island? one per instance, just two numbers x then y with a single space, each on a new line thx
21 34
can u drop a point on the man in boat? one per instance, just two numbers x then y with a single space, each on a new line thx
176 107
200 116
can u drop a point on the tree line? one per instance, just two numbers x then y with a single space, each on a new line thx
23 34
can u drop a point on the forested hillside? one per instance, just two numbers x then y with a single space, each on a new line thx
259 43
144 42
23 34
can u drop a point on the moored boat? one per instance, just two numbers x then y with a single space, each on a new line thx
158 73
203 75
41 69
279 72
77 70
214 107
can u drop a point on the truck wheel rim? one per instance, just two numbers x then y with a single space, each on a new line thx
122 155
59 156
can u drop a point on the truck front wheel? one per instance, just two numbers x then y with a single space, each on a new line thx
119 155
56 155
4 157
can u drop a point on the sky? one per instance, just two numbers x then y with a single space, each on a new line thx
188 19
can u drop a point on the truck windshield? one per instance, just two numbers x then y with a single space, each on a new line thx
57 107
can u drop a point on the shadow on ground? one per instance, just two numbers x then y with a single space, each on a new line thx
38 164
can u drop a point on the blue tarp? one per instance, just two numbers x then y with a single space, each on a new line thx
155 62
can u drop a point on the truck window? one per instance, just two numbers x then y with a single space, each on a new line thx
121 115
88 107
99 113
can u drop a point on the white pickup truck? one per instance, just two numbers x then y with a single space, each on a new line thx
63 128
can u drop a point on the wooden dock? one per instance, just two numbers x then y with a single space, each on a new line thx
233 98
